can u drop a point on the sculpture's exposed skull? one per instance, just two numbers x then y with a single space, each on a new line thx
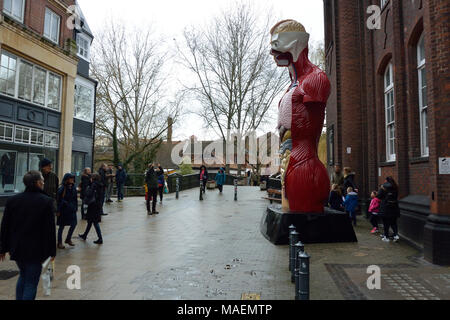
289 39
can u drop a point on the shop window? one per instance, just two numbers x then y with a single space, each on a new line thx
7 171
51 140
6 132
22 135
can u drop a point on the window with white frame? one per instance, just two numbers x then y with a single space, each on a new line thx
37 137
51 139
34 84
6 132
51 25
389 105
84 45
84 100
22 134
423 103
8 66
14 8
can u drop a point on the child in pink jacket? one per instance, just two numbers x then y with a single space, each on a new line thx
374 209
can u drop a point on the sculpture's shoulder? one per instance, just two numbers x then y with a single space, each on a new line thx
315 87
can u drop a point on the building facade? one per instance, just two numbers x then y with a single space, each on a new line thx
389 110
41 98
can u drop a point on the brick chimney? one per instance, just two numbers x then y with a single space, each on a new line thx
169 129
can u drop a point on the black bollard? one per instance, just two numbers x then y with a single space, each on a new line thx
298 247
291 228
201 190
178 188
302 292
235 189
295 236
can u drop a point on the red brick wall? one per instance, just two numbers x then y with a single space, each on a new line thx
357 103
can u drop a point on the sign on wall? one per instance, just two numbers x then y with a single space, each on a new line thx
444 165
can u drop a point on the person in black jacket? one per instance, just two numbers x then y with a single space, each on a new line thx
102 173
335 200
85 183
349 181
389 209
67 207
93 197
28 233
151 179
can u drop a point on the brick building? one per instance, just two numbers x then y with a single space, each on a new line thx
389 110
47 100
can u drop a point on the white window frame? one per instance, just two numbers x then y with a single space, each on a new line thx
88 40
85 83
3 137
424 147
16 84
47 142
52 15
388 90
10 13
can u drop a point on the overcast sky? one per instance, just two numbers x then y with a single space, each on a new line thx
170 17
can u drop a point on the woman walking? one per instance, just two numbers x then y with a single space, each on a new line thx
203 177
93 198
67 207
85 183
161 182
220 179
389 209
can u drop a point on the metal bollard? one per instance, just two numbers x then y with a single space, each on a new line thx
298 247
291 228
294 236
235 189
302 289
178 188
201 190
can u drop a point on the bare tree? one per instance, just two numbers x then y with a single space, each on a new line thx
237 80
131 107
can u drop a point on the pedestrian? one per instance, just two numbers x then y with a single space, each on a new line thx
349 181
161 182
249 177
335 200
102 173
255 179
109 183
94 196
151 179
350 204
121 177
220 179
67 207
374 210
28 233
51 181
337 177
389 209
85 183
203 177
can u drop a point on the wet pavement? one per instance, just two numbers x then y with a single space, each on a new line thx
214 250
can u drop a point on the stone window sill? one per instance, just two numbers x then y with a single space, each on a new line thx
388 164
419 160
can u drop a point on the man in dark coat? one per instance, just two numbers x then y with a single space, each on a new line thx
93 198
28 233
121 177
102 173
349 181
50 178
85 183
151 179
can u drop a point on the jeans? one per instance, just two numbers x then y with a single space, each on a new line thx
97 229
390 222
109 190
152 194
220 186
69 234
29 274
120 191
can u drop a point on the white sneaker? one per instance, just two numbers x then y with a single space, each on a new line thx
396 238
385 239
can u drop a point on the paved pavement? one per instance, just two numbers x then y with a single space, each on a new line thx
214 250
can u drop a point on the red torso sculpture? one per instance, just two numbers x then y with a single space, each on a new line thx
306 181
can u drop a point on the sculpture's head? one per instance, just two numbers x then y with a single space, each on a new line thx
289 39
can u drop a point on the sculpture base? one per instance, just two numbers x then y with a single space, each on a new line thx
328 227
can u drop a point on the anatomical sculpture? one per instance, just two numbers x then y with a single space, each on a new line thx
305 180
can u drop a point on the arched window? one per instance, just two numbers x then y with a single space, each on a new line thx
423 103
389 106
